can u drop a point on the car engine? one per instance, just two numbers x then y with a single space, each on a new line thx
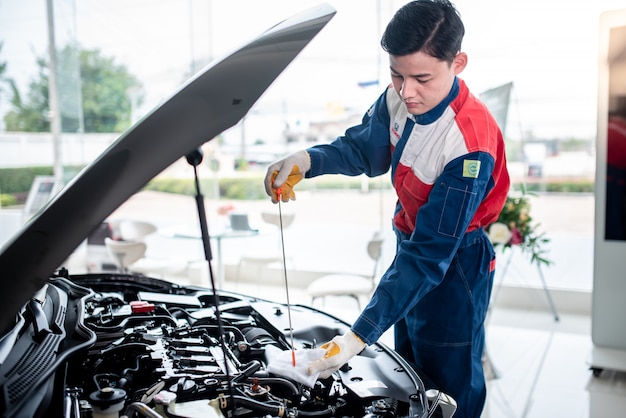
146 347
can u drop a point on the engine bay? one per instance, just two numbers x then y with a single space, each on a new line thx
146 347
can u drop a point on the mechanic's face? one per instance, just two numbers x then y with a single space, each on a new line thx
423 81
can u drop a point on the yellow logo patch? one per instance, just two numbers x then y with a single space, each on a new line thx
471 168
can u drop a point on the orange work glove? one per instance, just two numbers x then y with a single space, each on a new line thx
285 192
339 351
283 175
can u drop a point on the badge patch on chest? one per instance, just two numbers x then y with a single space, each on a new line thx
471 168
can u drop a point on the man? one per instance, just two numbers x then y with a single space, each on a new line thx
447 160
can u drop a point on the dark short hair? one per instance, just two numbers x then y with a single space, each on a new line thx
430 26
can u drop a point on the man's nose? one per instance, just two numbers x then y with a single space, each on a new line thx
409 88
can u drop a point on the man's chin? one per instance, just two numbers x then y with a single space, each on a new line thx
416 109
415 112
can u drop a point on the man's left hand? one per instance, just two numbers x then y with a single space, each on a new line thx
338 352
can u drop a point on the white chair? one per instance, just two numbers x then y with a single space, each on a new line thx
135 231
274 218
356 286
125 253
267 256
132 230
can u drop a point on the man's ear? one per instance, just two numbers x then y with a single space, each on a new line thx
459 63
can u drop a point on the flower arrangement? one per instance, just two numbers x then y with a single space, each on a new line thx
514 227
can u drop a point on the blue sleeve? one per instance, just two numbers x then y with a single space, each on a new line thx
422 261
363 149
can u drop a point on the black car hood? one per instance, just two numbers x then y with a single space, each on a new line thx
211 102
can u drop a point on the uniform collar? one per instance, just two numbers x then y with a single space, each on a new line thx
436 112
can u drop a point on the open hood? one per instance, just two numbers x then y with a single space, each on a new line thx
209 103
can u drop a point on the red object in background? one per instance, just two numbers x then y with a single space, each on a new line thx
516 238
225 209
139 306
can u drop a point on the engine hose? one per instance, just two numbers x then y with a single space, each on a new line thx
134 319
215 329
251 368
328 412
280 410
143 409
133 345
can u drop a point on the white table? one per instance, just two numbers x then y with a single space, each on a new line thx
187 232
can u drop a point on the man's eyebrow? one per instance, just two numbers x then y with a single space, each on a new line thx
422 75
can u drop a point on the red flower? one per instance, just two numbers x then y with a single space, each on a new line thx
516 238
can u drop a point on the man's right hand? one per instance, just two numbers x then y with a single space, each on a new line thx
284 174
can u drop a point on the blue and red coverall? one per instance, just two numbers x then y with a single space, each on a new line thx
448 168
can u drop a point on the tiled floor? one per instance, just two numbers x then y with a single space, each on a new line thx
541 365
543 368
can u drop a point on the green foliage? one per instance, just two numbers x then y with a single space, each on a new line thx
7 200
229 188
242 189
104 86
172 185
31 115
562 186
19 180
